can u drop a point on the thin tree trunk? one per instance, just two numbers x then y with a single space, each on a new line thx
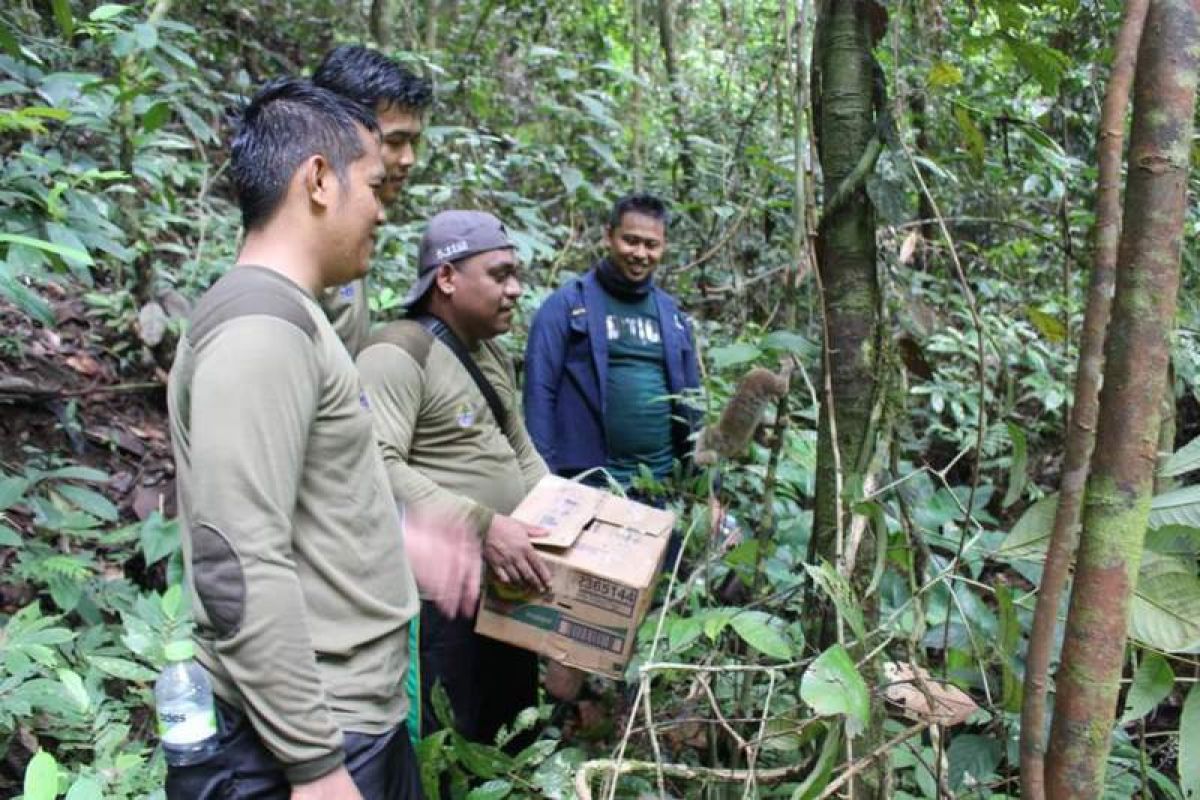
1082 422
801 243
635 37
1117 501
851 302
381 22
666 38
432 10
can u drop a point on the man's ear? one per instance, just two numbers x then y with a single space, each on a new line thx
444 280
319 179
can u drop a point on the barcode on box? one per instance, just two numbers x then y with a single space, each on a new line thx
609 595
592 637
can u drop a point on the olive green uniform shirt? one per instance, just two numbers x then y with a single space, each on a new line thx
349 312
293 547
442 447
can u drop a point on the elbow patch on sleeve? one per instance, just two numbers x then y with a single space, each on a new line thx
219 579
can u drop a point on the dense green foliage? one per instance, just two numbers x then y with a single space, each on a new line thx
113 121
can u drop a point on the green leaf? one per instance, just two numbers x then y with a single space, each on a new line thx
11 491
1166 611
1018 471
85 788
732 355
492 790
572 179
75 688
172 601
1152 683
156 116
23 297
41 777
1030 537
1047 325
9 43
89 501
818 777
159 537
77 474
107 11
122 668
1178 507
481 760
943 74
973 139
832 685
1174 540
1183 460
9 537
762 631
716 620
841 593
789 342
1189 744
974 755
62 15
66 252
1045 64
146 36
1007 642
555 778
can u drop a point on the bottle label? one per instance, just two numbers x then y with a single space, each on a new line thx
184 726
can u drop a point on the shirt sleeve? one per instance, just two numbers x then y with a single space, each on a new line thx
393 382
253 398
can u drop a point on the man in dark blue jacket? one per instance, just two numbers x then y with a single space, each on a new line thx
609 355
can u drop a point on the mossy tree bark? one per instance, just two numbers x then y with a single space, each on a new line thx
1081 426
1117 499
844 87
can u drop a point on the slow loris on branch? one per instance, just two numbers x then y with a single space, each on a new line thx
741 415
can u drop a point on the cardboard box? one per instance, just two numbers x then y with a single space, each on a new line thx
604 553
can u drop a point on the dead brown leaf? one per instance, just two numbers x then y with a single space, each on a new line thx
922 698
84 364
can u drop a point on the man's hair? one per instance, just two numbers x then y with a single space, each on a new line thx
646 204
369 78
287 121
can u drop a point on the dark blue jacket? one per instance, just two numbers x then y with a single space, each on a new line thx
566 375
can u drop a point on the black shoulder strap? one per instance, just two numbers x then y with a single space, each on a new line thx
442 332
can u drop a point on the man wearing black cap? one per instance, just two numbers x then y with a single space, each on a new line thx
457 453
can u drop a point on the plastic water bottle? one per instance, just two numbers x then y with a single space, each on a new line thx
187 718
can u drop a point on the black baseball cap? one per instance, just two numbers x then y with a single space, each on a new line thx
452 236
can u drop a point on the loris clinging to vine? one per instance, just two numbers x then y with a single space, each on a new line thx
733 431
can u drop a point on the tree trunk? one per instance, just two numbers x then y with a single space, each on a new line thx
1117 500
851 305
666 38
381 22
1082 421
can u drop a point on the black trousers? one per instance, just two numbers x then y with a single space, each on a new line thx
383 767
487 681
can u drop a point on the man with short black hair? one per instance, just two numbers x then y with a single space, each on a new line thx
398 99
606 353
295 558
458 455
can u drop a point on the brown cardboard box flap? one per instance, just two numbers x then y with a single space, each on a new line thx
629 514
562 507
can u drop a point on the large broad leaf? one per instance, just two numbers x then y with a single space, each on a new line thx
975 756
85 788
1183 460
762 631
1174 540
1180 507
492 790
1166 606
1189 744
89 501
11 491
1151 684
733 354
832 686
41 777
1030 537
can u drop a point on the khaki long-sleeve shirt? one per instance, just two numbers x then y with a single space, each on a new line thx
442 447
293 545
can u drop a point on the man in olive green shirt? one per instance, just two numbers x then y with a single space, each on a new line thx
293 546
457 459
398 99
